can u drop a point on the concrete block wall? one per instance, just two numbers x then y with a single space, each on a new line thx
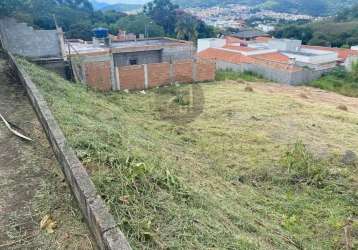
274 74
20 39
142 57
178 53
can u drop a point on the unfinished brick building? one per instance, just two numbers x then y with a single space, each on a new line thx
137 64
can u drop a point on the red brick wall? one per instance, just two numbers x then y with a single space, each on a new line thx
158 74
98 75
205 71
131 77
183 71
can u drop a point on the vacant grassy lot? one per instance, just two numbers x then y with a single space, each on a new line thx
339 81
254 169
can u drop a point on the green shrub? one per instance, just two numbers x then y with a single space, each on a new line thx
354 73
303 167
229 74
339 81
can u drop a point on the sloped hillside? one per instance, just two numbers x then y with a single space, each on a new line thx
241 165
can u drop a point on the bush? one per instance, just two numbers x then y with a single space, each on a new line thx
229 74
354 73
303 167
340 81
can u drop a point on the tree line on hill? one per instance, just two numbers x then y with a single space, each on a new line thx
78 18
338 31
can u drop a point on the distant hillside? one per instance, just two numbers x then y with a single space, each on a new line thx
311 7
98 5
122 7
338 31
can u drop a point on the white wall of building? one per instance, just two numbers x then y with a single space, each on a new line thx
266 28
285 44
354 47
206 43
313 56
314 59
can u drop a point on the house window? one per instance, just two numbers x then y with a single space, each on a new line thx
133 61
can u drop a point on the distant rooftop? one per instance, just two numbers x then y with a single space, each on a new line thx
249 33
89 47
147 42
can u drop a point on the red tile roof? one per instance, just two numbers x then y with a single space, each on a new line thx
342 53
231 39
263 39
224 55
272 60
274 56
239 48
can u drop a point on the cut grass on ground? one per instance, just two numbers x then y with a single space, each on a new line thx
253 170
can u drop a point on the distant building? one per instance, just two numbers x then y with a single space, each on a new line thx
124 36
280 60
265 28
137 64
249 34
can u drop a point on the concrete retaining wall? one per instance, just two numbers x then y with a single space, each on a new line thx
100 222
20 39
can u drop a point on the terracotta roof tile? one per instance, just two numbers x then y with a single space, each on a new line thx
224 55
231 39
271 60
275 57
239 48
263 39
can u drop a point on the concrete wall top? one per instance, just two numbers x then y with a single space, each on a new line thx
20 39
206 43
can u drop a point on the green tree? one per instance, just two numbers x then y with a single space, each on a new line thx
163 12
186 28
320 39
303 33
8 7
140 24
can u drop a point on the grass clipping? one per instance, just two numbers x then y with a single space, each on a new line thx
223 181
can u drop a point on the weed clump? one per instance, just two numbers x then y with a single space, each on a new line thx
224 75
249 89
303 167
342 107
182 98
